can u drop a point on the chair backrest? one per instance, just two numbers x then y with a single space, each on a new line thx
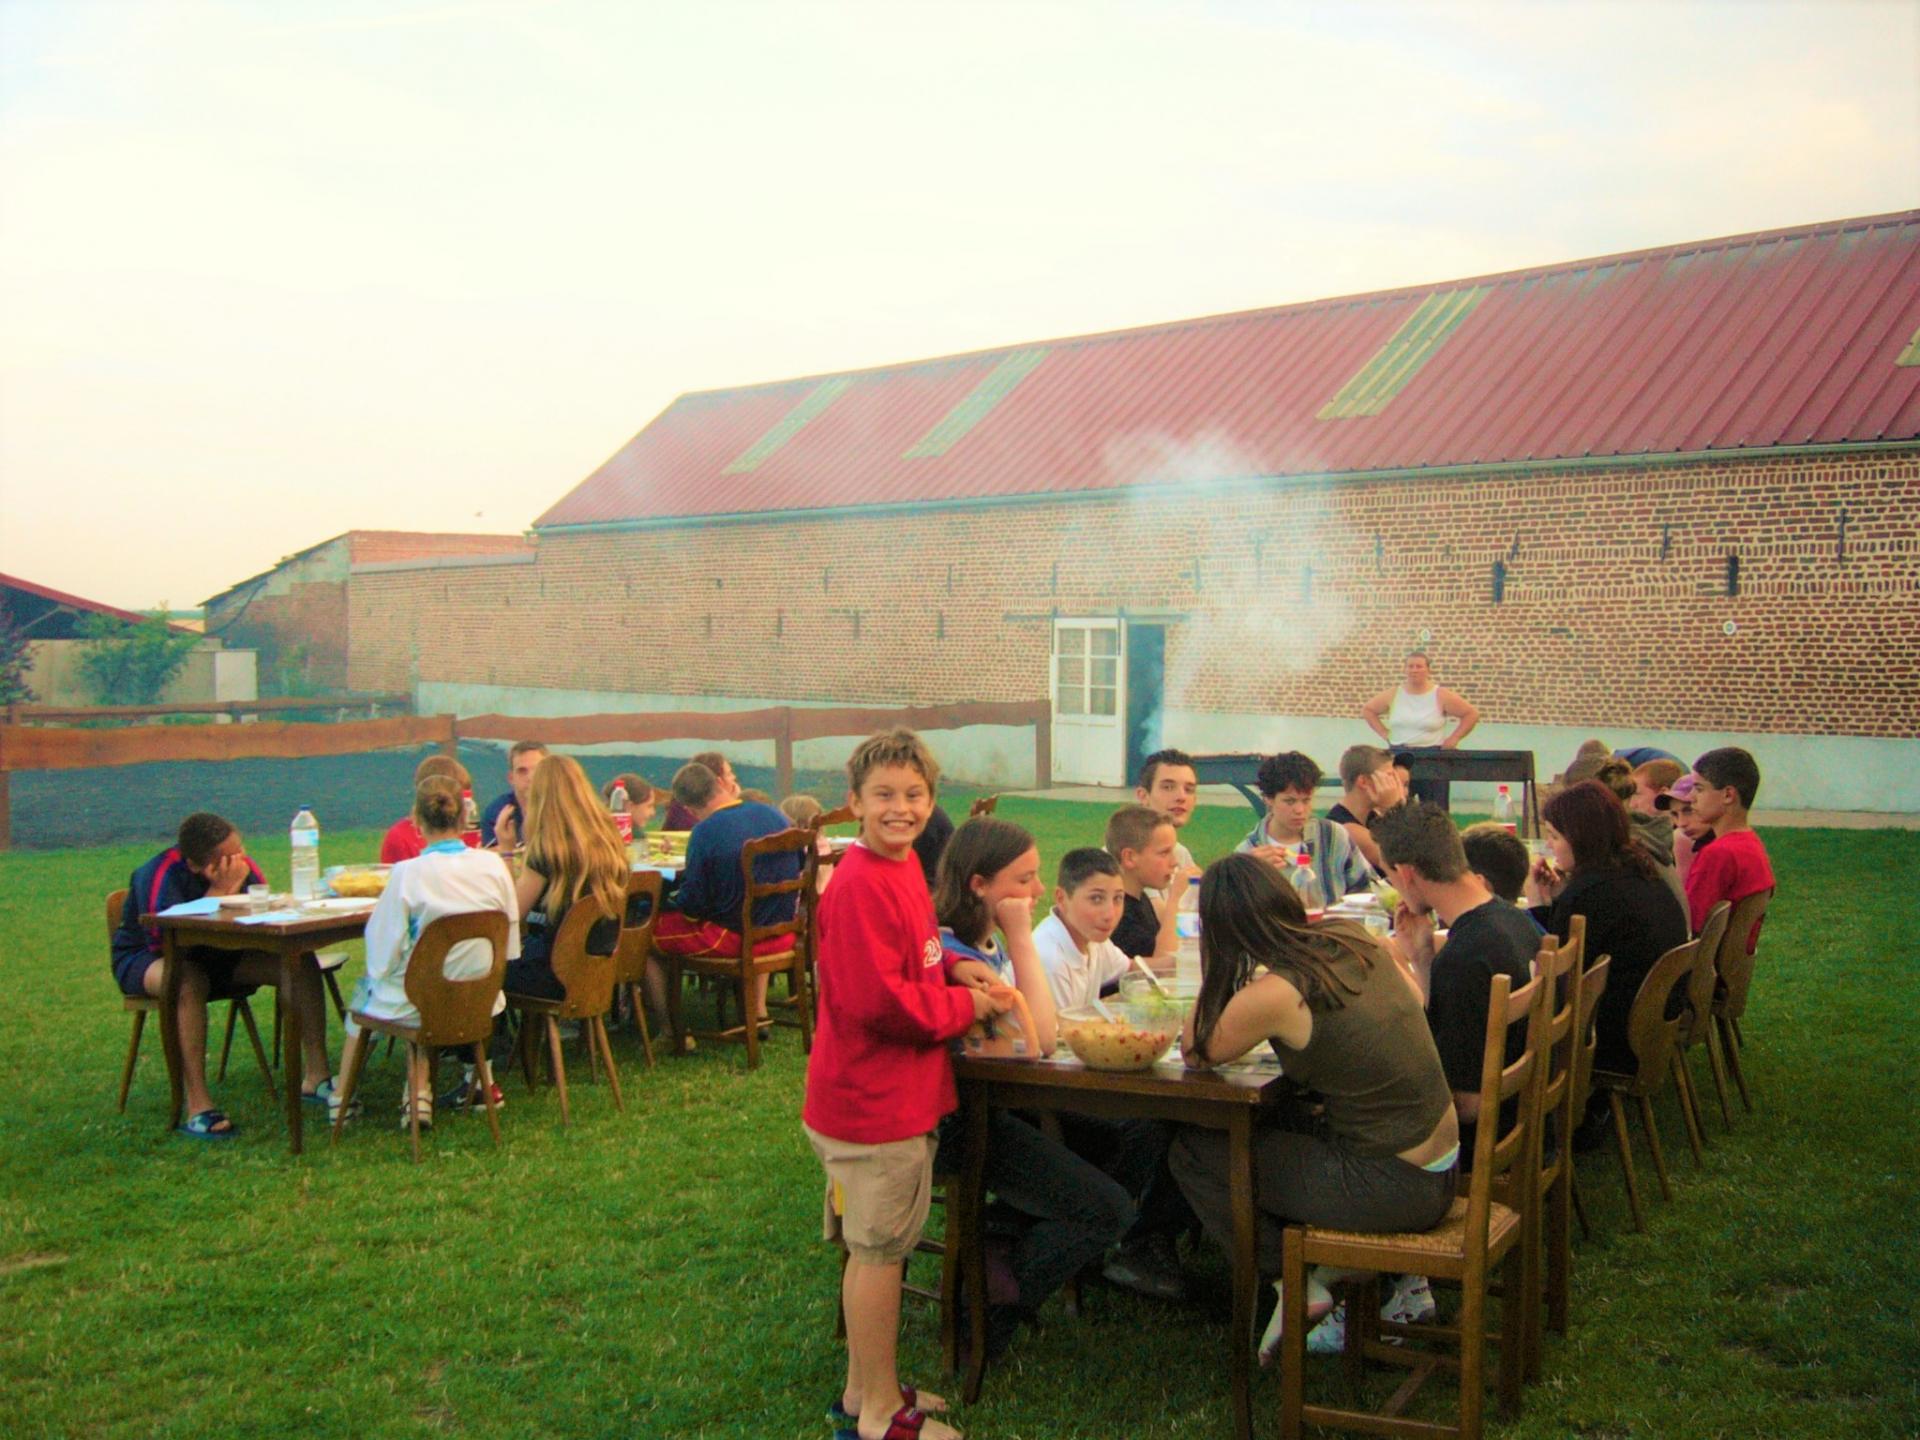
985 805
797 842
1559 965
1736 958
1593 984
587 978
841 816
636 934
456 1012
116 907
1495 1154
1701 982
1651 1034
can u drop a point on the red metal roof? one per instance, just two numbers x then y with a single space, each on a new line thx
60 599
386 547
1786 338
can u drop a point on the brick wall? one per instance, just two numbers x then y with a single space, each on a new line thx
295 617
1298 599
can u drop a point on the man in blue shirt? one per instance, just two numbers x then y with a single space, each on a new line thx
511 808
207 859
702 915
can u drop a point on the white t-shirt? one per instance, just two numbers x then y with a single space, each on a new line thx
1075 978
419 891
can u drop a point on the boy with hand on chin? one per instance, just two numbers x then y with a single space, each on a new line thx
879 1079
1144 843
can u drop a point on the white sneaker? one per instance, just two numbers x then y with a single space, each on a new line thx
1329 1337
1411 1302
1317 1296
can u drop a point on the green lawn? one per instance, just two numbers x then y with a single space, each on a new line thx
659 1272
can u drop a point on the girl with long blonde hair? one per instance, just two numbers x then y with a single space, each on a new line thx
574 856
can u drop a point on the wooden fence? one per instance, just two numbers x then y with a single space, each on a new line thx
45 747
231 709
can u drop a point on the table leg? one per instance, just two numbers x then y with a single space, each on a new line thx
295 1018
973 1257
1246 1269
170 1027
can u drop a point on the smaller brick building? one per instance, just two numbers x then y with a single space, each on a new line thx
296 614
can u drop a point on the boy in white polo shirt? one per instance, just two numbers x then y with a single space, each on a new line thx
1074 941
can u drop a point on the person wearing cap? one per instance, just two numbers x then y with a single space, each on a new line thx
1414 716
1691 835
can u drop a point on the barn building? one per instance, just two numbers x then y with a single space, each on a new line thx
1666 497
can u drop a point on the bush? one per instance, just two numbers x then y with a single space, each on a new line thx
14 661
128 664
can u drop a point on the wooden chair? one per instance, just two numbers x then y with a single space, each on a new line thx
1593 984
779 949
587 980
985 805
1696 1028
1651 1036
1551 1201
141 1006
1477 1234
1735 965
454 1014
636 944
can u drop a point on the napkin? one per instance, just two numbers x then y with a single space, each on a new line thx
271 917
210 905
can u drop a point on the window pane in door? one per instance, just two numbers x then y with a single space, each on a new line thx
1106 642
1101 700
1105 671
1073 672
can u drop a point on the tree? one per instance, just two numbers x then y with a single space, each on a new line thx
129 664
15 661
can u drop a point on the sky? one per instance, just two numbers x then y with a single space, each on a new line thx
271 271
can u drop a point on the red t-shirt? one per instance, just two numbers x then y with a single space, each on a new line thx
879 1069
405 842
1733 867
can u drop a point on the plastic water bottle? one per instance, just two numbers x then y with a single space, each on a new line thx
305 837
1186 960
1306 884
469 812
622 816
1503 808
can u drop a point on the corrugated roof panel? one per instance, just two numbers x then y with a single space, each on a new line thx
1795 336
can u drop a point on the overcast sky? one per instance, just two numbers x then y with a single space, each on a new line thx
269 271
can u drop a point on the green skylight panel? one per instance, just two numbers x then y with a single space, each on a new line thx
1910 355
1400 359
994 387
790 424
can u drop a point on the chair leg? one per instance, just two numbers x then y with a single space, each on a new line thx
638 1001
1519 1311
1730 1042
797 983
1363 1325
1714 1062
353 1059
1739 1035
676 1004
949 1294
412 1100
259 1051
599 1023
592 1047
1293 1338
333 989
1653 1144
483 1080
525 1046
1626 1159
749 1022
1683 1082
1473 1356
559 1064
226 1045
1559 1249
133 1057
1580 1209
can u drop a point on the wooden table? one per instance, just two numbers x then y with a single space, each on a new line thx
293 943
1218 1099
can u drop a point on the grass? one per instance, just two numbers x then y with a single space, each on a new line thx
658 1272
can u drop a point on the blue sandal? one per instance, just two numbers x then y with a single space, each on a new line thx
201 1126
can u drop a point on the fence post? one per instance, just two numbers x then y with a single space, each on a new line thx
1043 745
783 753
450 747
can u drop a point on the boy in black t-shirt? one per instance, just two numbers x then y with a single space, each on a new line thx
1486 937
1144 842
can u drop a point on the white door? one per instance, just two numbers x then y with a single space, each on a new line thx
1089 703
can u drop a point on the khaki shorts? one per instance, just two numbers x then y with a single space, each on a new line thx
877 1195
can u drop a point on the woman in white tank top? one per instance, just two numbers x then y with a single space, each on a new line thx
1415 716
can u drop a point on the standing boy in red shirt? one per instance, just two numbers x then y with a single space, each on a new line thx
1735 865
879 1078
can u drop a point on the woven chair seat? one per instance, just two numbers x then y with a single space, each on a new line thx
1448 1238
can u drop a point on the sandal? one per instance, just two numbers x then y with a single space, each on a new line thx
209 1125
906 1424
421 1108
839 1415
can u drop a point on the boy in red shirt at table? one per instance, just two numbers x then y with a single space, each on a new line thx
404 840
879 1080
1735 865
